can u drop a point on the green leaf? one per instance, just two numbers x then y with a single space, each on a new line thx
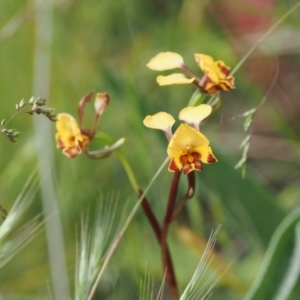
281 266
245 195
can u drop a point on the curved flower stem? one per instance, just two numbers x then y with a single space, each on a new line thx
120 234
167 262
150 215
145 204
166 256
128 170
189 194
191 72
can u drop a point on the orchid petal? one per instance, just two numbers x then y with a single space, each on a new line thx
176 78
194 115
165 61
162 121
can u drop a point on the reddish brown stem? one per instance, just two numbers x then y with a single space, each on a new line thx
151 217
81 106
189 194
157 230
167 262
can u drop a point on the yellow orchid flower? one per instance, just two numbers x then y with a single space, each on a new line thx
216 74
162 121
187 149
69 137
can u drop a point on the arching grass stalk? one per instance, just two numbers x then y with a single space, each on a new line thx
289 12
197 97
126 224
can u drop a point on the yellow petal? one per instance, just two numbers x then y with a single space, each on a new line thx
175 78
194 115
184 140
69 137
165 61
203 59
67 125
161 120
206 155
208 66
187 142
223 70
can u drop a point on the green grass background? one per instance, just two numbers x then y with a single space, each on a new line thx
104 46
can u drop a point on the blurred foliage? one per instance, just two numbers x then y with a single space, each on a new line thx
103 46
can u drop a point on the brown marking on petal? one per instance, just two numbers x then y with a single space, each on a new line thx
187 168
227 85
198 166
173 167
230 81
210 87
71 152
196 155
223 68
59 144
191 162
183 159
211 159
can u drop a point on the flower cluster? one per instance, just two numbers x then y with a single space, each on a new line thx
188 147
73 139
216 74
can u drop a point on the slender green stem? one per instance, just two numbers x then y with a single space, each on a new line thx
128 170
15 114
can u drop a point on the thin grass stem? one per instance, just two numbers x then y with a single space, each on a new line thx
124 228
289 12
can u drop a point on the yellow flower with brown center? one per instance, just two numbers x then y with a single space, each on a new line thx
69 137
187 149
216 73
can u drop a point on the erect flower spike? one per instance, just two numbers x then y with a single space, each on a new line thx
176 78
187 149
194 115
162 121
69 137
166 61
216 74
